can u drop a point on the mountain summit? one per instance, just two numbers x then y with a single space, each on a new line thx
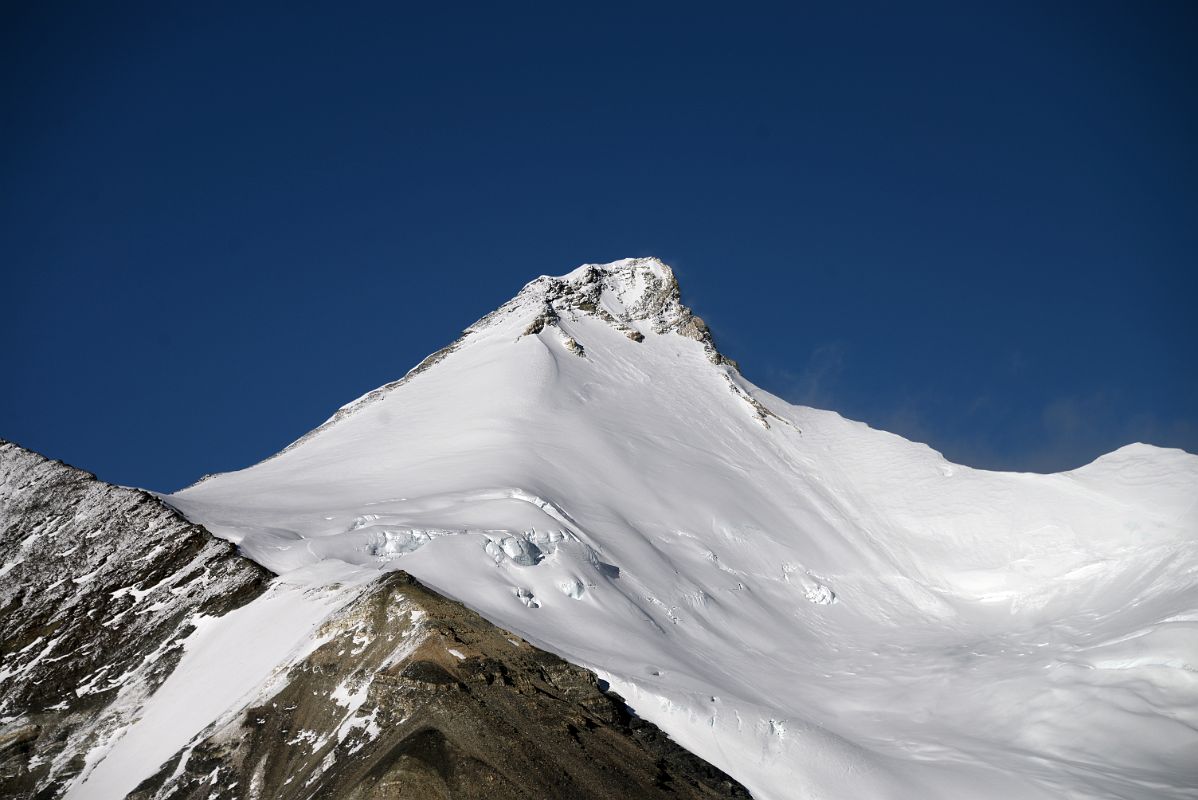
633 296
816 607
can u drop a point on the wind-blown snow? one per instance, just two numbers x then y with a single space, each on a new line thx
817 607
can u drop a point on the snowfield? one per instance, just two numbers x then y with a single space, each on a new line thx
821 609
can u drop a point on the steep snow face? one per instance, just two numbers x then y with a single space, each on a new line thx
819 608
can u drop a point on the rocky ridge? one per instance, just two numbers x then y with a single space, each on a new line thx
101 585
414 696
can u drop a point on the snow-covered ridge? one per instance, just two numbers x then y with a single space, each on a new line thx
628 295
815 606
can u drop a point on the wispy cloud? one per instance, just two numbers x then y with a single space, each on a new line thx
1072 430
990 429
815 384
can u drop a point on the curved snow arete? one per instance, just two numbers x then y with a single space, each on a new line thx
819 608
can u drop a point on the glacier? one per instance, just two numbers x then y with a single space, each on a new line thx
819 608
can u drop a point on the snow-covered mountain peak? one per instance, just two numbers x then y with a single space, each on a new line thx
627 290
821 608
627 287
632 297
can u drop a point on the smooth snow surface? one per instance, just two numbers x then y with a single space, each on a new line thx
821 609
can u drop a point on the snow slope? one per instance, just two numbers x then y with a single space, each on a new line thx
819 608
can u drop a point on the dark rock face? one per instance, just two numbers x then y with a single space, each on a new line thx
415 696
99 586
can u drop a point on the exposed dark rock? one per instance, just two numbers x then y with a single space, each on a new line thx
574 347
99 589
547 317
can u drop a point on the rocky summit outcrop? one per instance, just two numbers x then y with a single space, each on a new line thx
413 696
100 586
399 692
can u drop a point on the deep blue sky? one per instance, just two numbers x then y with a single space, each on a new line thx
974 225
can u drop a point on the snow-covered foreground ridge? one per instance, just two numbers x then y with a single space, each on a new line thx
821 609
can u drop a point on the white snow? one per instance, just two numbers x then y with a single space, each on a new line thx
817 607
